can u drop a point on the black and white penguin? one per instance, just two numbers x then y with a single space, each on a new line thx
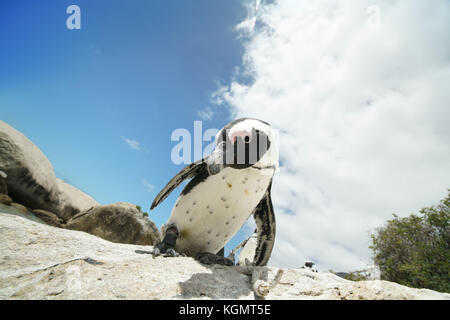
227 187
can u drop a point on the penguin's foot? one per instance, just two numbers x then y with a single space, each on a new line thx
211 258
166 247
168 252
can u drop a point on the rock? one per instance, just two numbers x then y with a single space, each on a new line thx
23 211
31 180
119 222
248 251
3 184
20 207
48 217
305 284
5 199
17 209
41 262
72 199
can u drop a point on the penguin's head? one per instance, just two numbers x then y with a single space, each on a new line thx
245 143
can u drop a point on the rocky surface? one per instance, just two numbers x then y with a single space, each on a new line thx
48 217
5 199
3 184
119 222
31 180
42 262
20 207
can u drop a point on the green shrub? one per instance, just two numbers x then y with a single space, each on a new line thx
414 251
356 276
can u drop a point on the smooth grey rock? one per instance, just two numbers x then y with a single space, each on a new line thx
41 262
119 222
31 180
72 199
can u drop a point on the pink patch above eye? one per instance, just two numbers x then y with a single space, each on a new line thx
242 134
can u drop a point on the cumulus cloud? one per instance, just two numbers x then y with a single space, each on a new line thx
359 93
206 114
133 144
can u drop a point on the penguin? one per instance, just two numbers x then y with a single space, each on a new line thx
225 189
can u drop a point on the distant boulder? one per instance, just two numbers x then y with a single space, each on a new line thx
27 179
48 217
72 199
248 251
119 222
31 180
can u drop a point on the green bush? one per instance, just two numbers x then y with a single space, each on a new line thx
414 251
356 276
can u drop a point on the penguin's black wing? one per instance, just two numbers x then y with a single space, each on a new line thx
265 223
194 169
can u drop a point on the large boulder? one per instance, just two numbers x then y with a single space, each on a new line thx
72 199
41 262
3 184
31 180
119 222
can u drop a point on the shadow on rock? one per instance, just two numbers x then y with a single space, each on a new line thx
221 283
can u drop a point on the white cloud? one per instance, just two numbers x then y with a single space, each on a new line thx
148 187
206 114
133 144
362 109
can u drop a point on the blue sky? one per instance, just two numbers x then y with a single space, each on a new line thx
136 70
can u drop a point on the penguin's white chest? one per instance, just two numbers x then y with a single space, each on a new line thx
216 208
